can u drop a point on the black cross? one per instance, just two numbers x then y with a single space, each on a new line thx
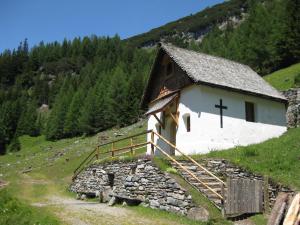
221 107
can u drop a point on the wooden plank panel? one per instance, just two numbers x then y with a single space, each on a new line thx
243 196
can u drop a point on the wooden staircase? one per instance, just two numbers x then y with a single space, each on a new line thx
211 181
198 176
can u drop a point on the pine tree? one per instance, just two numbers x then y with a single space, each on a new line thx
72 126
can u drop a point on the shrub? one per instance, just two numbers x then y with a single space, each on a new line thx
297 80
12 212
14 145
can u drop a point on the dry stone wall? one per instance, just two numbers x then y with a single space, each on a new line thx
293 110
136 181
226 169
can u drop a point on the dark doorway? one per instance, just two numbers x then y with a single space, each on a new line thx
111 178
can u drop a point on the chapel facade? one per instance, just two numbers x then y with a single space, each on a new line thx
202 103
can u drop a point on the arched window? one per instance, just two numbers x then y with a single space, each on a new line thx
187 121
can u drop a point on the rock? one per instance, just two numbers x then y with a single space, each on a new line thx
141 188
198 213
78 196
112 201
172 201
154 204
141 166
83 197
128 178
105 195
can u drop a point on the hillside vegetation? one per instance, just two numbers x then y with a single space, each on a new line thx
285 78
200 22
278 158
50 166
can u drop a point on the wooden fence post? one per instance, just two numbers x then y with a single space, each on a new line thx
152 141
112 150
223 200
266 195
131 148
97 153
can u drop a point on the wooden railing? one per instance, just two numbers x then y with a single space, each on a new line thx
98 152
114 151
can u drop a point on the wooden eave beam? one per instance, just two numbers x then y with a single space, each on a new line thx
175 118
160 122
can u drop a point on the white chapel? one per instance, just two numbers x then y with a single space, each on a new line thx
202 103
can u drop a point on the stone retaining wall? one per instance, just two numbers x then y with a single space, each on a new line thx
293 110
137 181
225 169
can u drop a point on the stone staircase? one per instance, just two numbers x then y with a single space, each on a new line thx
209 180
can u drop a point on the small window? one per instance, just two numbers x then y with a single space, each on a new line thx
188 123
249 109
169 68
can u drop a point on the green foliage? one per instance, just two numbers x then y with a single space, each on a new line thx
94 83
268 39
285 78
297 80
277 158
171 170
12 212
14 145
193 23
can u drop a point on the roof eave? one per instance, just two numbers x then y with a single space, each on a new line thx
283 100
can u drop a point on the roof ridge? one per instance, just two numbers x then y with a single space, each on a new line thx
201 67
163 45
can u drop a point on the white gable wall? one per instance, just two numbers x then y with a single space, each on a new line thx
206 134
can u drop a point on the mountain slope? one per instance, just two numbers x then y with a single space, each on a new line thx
195 25
285 78
93 83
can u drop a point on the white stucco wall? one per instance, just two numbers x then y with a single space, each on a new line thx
206 134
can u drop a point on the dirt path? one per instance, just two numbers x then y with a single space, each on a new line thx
76 212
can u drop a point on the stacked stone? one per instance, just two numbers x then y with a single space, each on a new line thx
226 169
293 110
134 181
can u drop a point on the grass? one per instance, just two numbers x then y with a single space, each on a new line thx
13 211
169 218
278 158
53 163
285 78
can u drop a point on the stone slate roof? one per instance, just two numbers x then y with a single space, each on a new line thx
220 72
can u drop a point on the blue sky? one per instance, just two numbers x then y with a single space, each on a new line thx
51 20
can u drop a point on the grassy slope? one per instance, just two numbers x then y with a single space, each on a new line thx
285 78
278 158
52 166
13 211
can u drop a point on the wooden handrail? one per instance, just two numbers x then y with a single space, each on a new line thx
190 158
188 171
97 153
128 137
113 150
